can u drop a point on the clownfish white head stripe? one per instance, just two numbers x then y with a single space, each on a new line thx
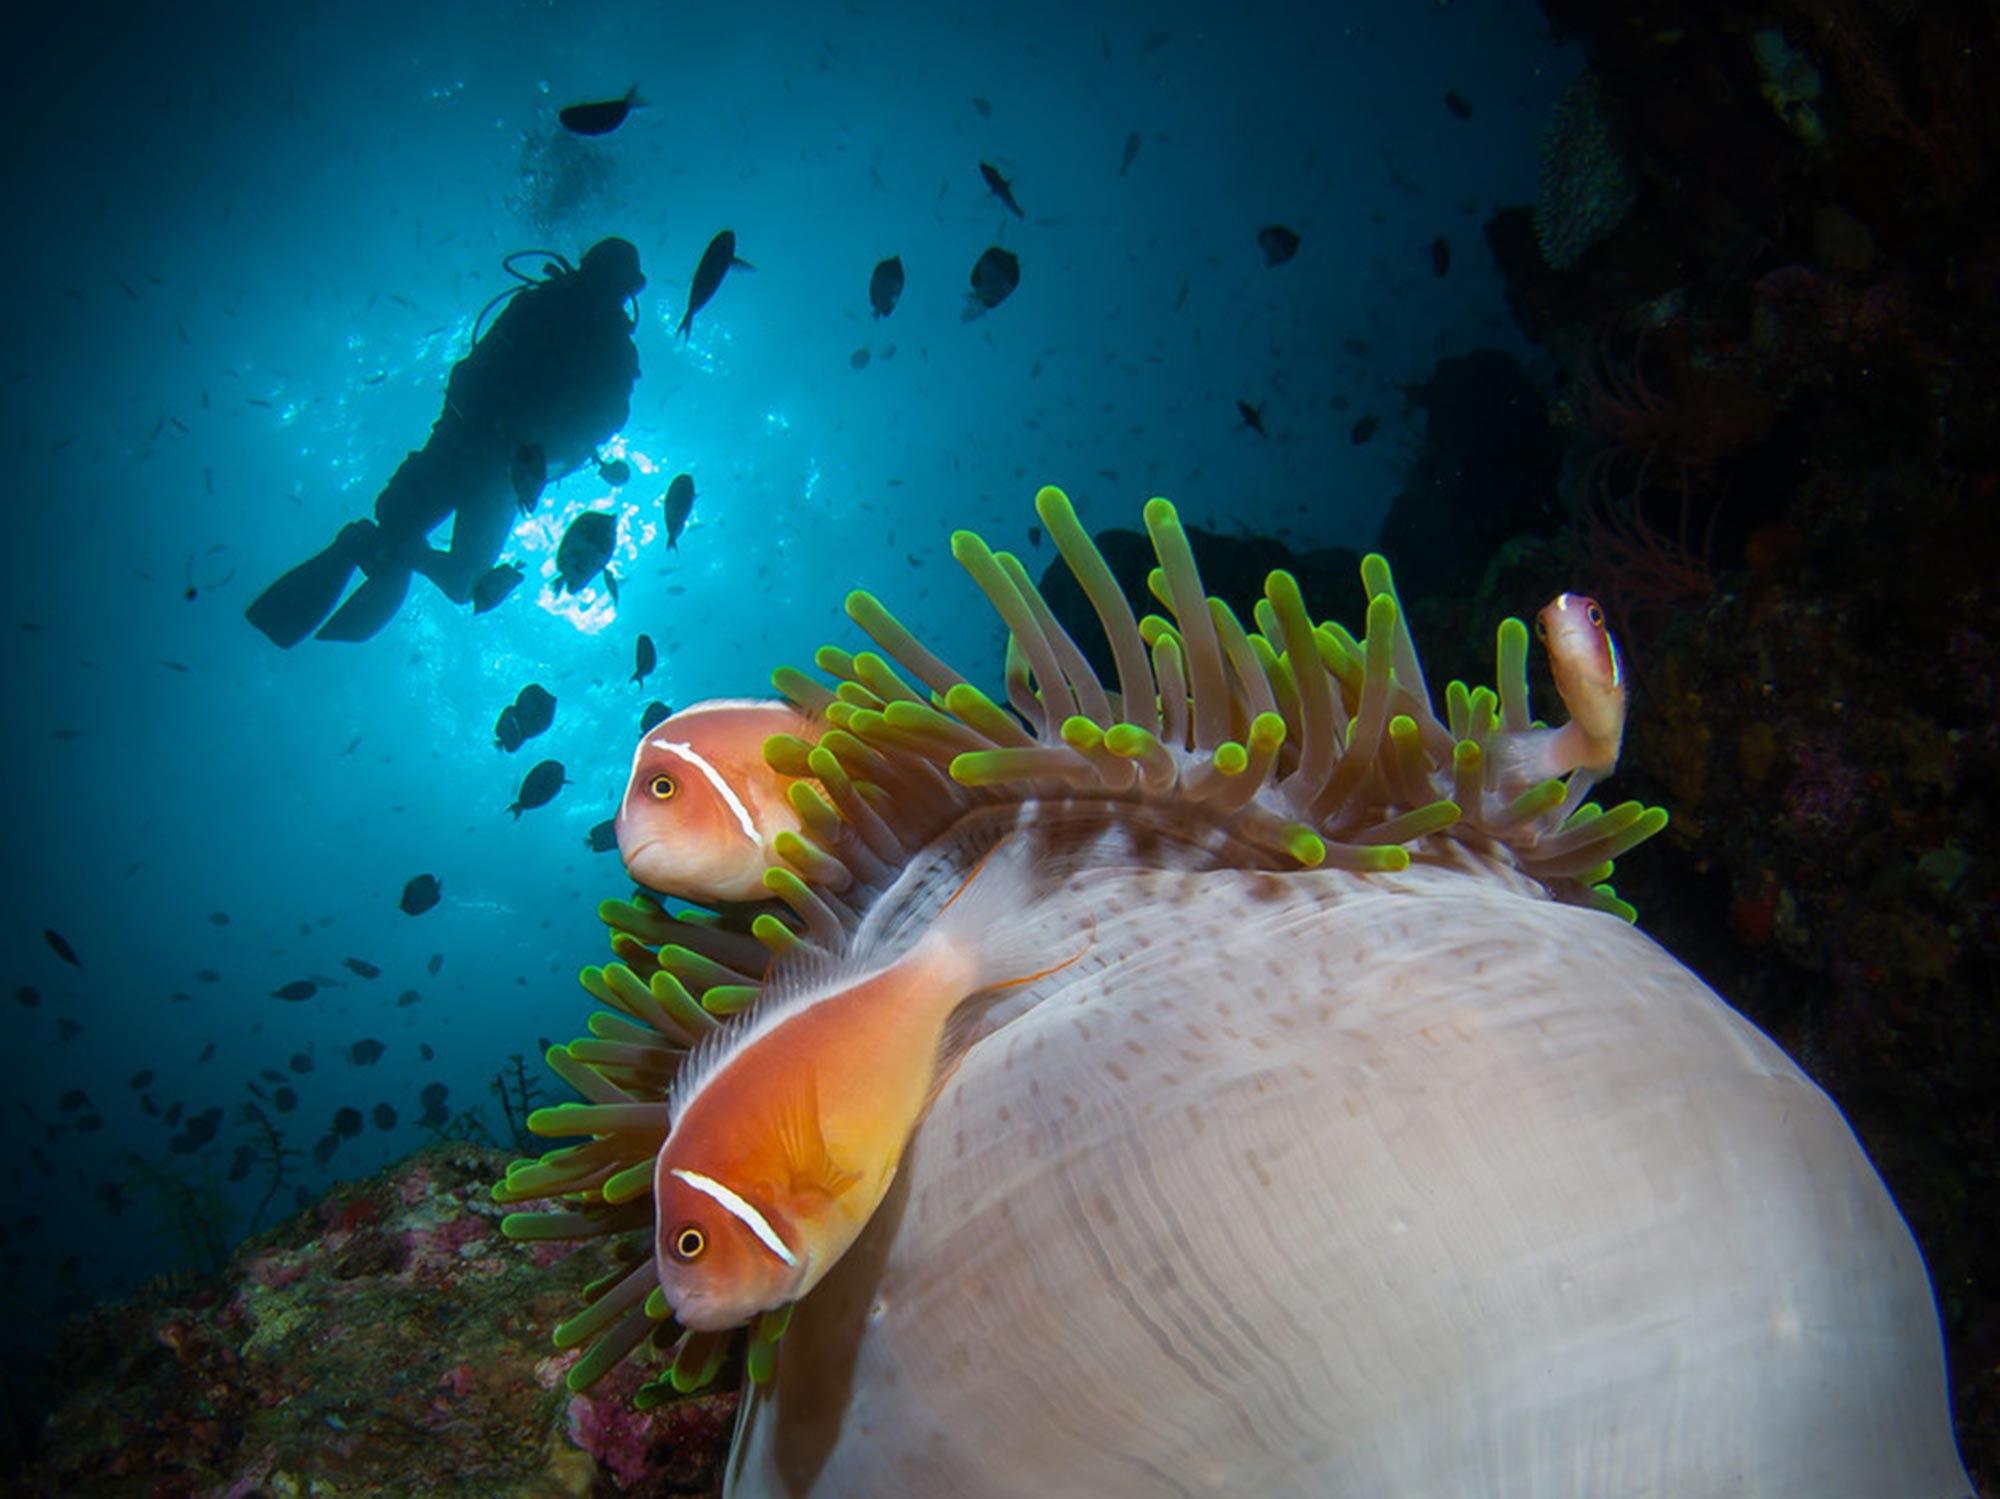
722 787
742 1211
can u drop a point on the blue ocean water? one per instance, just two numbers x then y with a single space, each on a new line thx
247 244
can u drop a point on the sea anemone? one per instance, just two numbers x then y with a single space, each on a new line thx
1372 1150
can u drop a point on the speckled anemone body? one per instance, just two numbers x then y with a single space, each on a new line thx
1370 1151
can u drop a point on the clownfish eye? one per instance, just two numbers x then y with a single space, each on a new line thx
689 1242
662 787
1596 617
1541 628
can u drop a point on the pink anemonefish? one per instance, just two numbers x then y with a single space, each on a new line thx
1590 679
789 1126
702 810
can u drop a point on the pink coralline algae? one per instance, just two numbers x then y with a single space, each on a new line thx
385 1341
648 1451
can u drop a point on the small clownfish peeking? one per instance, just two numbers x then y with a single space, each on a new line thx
788 1127
702 810
1590 679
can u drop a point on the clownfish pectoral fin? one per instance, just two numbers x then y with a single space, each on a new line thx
809 1167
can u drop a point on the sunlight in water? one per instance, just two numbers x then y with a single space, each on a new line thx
537 538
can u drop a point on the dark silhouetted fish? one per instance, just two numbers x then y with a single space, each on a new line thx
324 1147
647 658
347 1122
30 996
435 1114
1440 255
617 471
1364 429
1001 187
421 894
73 1100
300 1063
994 278
68 1029
531 476
218 918
241 1162
407 998
141 1079
494 585
655 711
538 787
586 546
507 730
296 990
679 506
602 116
384 1116
1131 152
603 838
715 263
435 965
1278 243
858 360
983 106
284 1100
363 967
424 1051
885 287
208 975
59 945
1252 418
366 1052
1457 104
270 1074
199 1131
534 709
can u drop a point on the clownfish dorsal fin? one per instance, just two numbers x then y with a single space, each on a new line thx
810 1168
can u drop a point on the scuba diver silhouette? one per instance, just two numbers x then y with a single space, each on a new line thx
554 373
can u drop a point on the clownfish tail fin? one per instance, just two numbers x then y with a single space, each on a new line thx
1012 925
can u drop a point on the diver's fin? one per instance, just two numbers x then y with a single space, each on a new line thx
371 606
288 610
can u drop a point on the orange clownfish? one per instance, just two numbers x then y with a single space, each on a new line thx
1590 679
788 1128
702 809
